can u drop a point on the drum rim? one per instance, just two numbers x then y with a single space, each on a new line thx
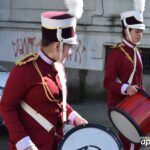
111 133
129 118
144 93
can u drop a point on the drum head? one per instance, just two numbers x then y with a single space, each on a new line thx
131 116
125 125
90 137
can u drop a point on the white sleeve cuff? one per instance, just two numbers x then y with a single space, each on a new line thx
24 143
123 89
72 117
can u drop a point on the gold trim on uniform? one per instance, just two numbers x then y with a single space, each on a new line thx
127 55
118 45
121 45
46 89
47 27
28 58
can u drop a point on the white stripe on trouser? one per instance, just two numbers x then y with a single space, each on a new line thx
36 116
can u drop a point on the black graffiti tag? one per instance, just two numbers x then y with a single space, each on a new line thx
88 147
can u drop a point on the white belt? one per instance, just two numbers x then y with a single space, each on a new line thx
36 116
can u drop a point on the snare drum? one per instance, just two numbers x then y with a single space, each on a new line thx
132 116
90 137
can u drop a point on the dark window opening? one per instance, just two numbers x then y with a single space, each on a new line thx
146 60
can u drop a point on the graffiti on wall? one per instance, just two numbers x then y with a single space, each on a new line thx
78 53
26 45
23 46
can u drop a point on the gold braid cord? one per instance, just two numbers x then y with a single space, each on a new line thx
127 55
120 45
46 89
117 45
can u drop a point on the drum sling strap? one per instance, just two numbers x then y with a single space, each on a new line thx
134 68
133 61
36 116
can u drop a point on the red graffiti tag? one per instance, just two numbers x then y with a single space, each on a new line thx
78 52
23 46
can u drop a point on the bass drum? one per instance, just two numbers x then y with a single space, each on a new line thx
90 137
132 116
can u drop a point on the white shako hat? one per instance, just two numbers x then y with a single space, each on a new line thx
61 26
134 19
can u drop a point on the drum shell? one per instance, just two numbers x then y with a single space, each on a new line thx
137 108
131 117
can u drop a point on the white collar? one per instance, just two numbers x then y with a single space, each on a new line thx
128 44
45 58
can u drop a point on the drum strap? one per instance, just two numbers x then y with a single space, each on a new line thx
36 116
134 67
131 146
62 76
133 61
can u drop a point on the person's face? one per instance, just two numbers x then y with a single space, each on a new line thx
66 52
136 35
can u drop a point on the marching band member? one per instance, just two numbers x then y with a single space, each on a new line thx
123 70
33 104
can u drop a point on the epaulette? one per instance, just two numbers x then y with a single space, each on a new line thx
28 58
118 45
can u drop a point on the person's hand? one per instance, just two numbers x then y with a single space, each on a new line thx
79 121
132 89
31 148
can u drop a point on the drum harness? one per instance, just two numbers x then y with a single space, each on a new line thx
134 61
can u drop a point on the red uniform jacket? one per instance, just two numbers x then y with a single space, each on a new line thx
119 67
24 83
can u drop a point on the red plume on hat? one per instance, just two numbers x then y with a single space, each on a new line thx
61 26
134 19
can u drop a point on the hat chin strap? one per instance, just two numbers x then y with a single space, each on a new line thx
128 32
129 35
61 73
68 40
62 40
126 25
61 52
